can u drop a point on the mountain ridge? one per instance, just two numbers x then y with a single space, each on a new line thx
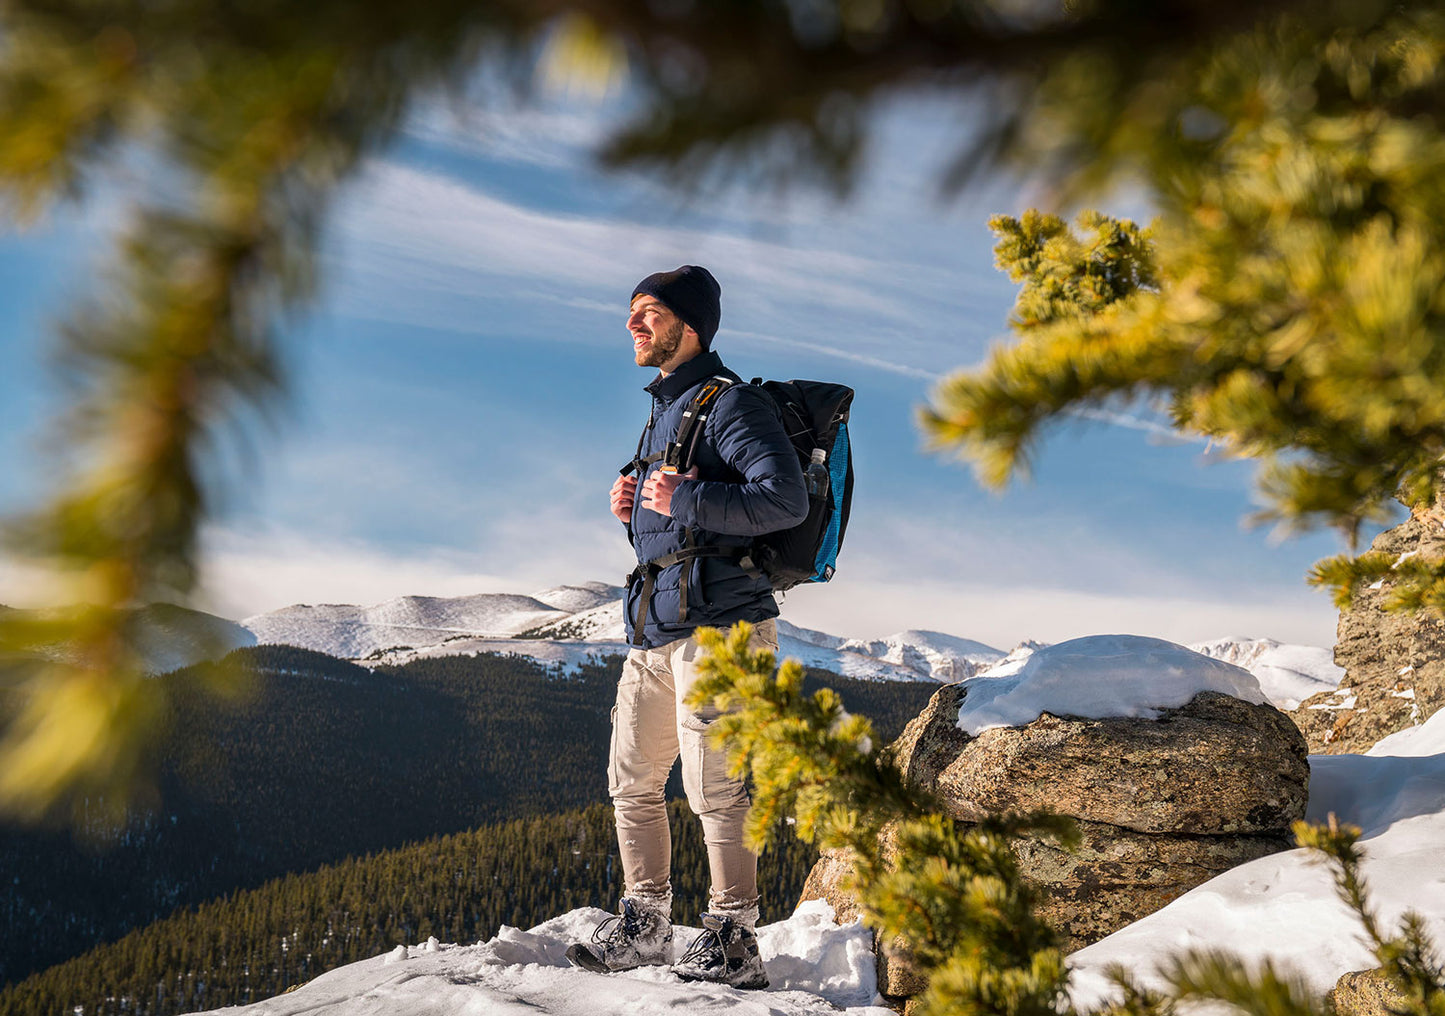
568 625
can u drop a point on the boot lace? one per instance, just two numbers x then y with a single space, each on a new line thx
619 928
707 947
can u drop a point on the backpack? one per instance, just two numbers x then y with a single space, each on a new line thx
815 418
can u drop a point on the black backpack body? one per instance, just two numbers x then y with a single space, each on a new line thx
815 418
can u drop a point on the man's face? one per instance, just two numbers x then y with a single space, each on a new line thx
657 332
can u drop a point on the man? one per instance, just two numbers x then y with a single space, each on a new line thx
691 532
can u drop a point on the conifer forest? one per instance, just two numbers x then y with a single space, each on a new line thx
336 813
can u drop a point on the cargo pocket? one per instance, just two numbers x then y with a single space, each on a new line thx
705 769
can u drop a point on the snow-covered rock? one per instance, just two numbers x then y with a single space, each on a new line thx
1099 676
1171 764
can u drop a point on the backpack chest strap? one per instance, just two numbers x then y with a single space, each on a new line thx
651 569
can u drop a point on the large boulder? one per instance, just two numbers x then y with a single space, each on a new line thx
1366 993
1164 801
1394 662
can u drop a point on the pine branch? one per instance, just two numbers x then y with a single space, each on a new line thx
1284 305
953 893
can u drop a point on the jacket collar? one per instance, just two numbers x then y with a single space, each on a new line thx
703 365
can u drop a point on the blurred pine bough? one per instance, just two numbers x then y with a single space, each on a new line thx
1293 150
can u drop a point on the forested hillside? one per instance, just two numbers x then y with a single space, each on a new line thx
461 888
328 760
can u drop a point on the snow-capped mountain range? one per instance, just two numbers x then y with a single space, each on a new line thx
572 623
569 624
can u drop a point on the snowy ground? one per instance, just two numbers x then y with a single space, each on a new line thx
1282 906
815 966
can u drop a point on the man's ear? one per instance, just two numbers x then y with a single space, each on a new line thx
690 339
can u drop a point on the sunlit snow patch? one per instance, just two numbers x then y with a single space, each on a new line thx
811 952
817 968
1096 677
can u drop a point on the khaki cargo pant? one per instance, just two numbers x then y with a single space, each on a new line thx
650 727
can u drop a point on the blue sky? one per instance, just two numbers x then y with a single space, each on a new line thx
463 392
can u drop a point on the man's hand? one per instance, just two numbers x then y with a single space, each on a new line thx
624 493
657 489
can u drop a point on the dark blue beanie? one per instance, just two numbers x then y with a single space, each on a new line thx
692 294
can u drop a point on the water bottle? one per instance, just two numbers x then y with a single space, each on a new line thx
815 477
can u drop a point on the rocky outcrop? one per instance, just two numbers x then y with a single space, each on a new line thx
1214 766
1365 993
1162 804
1394 662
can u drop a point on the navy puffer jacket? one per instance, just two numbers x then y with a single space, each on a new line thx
749 483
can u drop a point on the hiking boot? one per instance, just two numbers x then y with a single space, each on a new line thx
726 952
636 936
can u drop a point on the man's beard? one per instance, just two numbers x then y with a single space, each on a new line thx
664 344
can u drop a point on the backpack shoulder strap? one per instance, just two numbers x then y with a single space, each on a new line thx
682 449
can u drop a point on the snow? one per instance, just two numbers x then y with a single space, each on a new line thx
1096 677
816 967
580 597
1288 674
1414 742
600 622
1284 906
1342 700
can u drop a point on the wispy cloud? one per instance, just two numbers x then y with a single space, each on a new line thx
447 232
428 233
766 341
530 135
1133 421
1114 418
431 250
